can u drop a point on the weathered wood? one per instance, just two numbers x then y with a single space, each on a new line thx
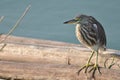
25 58
41 71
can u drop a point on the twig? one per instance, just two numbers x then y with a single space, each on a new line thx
1 18
15 26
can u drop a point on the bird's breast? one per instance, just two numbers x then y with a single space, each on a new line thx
78 33
83 40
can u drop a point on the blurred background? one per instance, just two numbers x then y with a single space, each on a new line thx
45 18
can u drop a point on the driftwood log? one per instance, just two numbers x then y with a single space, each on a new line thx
33 59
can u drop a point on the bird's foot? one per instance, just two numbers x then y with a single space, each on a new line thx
93 69
85 67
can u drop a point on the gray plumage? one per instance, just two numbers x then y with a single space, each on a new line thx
89 32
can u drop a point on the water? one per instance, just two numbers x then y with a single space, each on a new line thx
45 18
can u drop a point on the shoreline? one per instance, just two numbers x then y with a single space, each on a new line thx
34 59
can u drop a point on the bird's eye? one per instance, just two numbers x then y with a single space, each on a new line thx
77 18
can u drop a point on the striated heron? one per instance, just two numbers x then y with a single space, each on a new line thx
91 34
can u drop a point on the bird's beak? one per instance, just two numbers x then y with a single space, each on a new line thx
73 21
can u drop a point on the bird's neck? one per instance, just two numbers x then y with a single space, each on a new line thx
77 27
77 31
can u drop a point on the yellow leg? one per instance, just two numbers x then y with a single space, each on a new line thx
88 62
96 66
87 65
96 63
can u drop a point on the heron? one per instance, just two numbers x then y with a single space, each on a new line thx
91 34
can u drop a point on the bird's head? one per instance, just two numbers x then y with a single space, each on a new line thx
80 19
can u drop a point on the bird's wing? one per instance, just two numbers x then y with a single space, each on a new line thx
100 32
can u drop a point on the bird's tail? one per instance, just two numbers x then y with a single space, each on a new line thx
102 49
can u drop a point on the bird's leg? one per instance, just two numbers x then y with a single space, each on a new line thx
95 67
87 65
88 62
